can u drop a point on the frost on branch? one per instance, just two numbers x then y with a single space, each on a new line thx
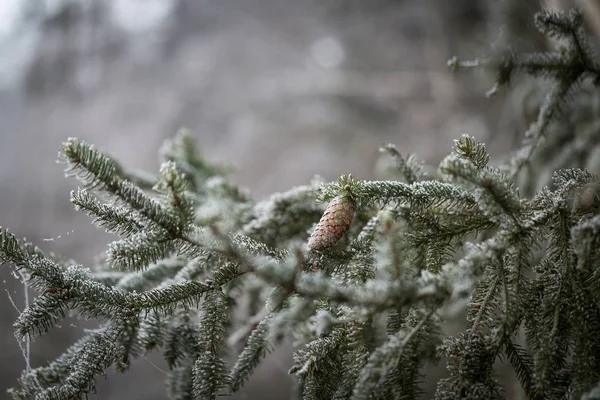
362 275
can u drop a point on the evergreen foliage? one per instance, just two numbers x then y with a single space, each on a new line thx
369 312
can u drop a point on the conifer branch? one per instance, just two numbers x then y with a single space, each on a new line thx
410 169
210 370
257 346
394 263
97 171
380 359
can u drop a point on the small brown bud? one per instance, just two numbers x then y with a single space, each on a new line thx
334 223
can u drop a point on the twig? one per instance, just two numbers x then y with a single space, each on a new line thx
245 330
25 349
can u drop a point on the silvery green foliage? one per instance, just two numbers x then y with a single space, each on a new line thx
199 269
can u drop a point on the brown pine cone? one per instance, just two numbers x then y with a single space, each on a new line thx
334 223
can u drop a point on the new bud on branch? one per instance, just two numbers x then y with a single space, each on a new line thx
334 223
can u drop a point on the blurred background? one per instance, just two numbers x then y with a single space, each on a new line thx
284 90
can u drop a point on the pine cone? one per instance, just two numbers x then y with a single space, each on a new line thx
334 223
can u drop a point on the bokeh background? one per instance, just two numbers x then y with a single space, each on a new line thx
284 90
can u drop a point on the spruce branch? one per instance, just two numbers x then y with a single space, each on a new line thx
469 148
426 194
151 277
117 220
179 382
210 370
479 310
567 68
97 171
182 151
537 131
523 367
380 359
140 250
257 346
410 168
73 373
354 360
199 266
585 237
283 216
318 366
